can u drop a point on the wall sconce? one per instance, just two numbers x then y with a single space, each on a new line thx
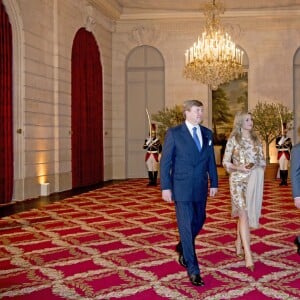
45 189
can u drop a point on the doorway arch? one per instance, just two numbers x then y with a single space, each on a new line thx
87 111
145 89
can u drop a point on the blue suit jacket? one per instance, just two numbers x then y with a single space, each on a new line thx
295 170
185 170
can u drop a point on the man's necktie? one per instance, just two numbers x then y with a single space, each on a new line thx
196 139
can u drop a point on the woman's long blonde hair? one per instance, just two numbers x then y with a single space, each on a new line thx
237 127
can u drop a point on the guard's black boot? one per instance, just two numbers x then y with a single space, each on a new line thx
150 175
285 177
155 178
281 177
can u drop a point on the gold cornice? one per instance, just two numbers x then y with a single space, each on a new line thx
109 8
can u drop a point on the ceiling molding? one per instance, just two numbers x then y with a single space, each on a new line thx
109 8
265 13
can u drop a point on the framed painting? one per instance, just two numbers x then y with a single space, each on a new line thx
227 100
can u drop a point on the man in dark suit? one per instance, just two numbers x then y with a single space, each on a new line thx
295 178
185 170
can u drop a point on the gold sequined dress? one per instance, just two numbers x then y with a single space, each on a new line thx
245 187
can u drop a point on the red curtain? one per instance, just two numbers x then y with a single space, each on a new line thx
87 112
6 115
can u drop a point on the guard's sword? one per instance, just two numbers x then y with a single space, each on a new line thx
149 121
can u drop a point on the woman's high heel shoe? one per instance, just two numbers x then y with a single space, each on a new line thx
250 267
239 249
249 262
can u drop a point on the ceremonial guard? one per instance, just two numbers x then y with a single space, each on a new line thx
284 147
154 148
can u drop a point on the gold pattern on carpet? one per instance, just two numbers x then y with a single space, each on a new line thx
118 242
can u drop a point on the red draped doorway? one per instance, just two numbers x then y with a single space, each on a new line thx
87 111
6 115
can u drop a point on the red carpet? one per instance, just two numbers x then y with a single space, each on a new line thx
118 242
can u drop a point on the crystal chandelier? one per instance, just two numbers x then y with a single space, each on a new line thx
213 59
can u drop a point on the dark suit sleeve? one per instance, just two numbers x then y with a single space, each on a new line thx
166 161
212 166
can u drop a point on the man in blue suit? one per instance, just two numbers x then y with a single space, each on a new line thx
295 178
185 169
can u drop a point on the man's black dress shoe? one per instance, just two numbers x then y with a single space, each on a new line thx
181 260
196 280
178 248
297 243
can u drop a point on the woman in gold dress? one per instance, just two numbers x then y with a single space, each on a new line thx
244 161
